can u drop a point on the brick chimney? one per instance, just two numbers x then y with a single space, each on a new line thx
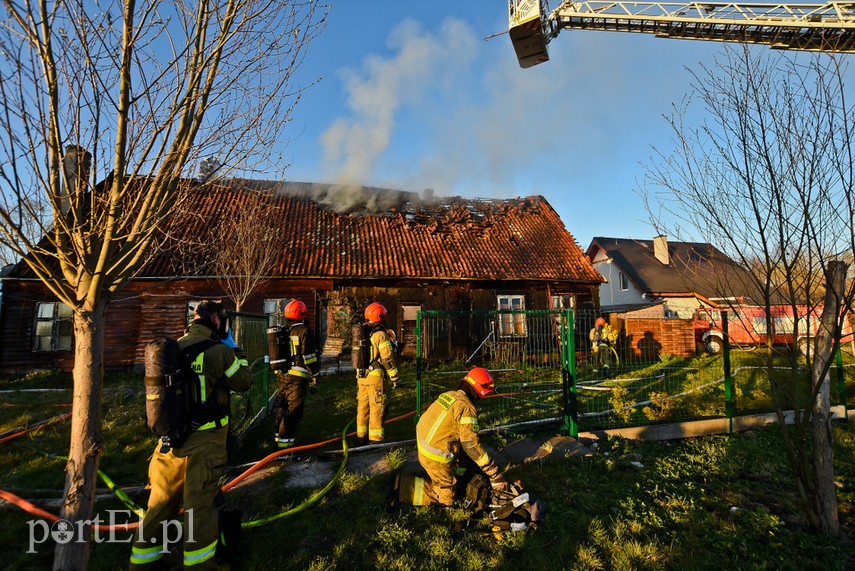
76 163
660 249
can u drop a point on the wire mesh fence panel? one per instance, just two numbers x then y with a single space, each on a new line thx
753 384
522 349
609 344
250 333
763 380
848 370
668 394
545 369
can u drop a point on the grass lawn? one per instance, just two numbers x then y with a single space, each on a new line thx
721 502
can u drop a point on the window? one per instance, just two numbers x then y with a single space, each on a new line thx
512 324
624 283
191 309
273 309
562 302
410 312
53 327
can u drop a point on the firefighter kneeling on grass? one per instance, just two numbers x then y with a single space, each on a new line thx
447 426
187 466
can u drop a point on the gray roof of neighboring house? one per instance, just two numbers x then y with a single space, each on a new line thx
694 268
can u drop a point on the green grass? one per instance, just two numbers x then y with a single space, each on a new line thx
722 502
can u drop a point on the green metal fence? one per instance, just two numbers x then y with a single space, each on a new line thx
528 352
248 408
546 372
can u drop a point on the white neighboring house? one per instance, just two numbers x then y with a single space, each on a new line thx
671 279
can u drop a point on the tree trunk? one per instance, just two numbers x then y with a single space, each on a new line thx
86 439
823 496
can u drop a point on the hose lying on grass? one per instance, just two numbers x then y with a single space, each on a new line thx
7 436
140 512
313 499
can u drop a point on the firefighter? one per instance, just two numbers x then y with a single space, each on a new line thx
302 367
448 426
599 344
370 394
192 471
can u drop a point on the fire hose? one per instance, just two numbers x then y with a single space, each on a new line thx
140 512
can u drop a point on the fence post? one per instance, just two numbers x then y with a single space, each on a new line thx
266 381
418 365
841 384
568 373
728 381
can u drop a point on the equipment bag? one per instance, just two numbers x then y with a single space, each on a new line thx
513 510
279 348
171 392
476 496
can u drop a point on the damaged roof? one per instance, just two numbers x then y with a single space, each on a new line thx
335 231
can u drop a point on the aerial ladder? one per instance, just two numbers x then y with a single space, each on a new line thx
806 27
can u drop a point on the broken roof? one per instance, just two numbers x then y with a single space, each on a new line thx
334 231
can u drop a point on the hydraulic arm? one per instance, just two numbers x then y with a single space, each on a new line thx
810 27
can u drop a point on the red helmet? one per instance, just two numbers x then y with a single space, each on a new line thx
481 380
295 310
375 313
601 321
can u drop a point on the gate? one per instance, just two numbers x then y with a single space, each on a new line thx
248 408
529 352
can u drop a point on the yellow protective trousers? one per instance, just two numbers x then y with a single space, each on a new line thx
370 403
189 475
439 486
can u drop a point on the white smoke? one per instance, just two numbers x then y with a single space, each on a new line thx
422 63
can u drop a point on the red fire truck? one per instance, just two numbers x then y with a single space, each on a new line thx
748 326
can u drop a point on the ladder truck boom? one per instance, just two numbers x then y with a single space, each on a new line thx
808 27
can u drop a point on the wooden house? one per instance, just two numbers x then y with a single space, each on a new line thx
337 249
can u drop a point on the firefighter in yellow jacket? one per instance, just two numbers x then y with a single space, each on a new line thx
370 394
298 372
447 427
190 473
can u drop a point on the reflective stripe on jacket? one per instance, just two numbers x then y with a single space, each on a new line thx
304 351
219 367
383 353
449 425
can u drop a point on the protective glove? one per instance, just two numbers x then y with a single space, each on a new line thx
498 482
394 382
229 341
313 385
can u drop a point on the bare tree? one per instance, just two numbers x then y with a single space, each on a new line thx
106 106
767 176
252 243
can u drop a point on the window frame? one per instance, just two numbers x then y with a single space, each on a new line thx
277 304
511 325
410 311
61 324
623 281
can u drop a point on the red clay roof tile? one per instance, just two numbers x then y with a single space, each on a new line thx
339 232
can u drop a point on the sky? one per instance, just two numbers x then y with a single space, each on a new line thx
413 97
